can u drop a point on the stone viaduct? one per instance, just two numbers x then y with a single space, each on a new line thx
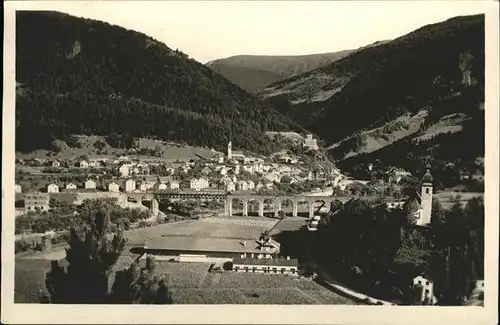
158 196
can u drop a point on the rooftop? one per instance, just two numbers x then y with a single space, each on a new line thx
187 243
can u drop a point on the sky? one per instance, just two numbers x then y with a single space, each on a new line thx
208 30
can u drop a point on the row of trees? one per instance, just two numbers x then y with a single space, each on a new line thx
379 251
65 215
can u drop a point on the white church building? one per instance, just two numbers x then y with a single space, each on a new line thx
421 203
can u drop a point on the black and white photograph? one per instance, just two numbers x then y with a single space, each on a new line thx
265 153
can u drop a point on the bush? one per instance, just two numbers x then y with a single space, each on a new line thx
143 224
21 246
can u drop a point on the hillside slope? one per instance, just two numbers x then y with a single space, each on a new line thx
79 76
424 88
253 72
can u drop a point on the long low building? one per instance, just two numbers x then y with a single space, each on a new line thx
213 247
288 266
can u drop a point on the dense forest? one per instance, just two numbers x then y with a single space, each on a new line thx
439 68
83 76
378 251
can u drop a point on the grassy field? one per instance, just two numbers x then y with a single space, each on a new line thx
209 227
447 198
192 284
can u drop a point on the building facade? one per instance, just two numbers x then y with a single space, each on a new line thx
70 186
52 188
90 185
310 142
271 266
130 185
36 202
113 187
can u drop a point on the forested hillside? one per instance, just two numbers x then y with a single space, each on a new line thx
404 94
82 76
254 72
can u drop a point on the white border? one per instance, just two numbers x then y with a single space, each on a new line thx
225 314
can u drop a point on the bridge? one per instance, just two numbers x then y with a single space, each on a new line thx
278 201
155 197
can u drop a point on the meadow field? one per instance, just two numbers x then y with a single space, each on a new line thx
238 228
447 198
192 283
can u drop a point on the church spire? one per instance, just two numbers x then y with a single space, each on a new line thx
427 178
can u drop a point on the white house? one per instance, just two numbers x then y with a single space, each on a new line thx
130 185
145 186
259 186
272 177
198 184
83 164
70 186
173 185
242 185
90 184
194 184
124 170
56 163
249 169
396 175
113 187
223 171
18 188
251 185
52 188
230 186
310 142
162 187
206 170
426 289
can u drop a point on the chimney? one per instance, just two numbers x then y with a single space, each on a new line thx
244 243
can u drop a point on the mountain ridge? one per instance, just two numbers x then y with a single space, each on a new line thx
438 68
241 68
82 76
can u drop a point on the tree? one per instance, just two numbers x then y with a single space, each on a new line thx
140 285
91 256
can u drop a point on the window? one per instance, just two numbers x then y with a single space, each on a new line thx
275 270
246 268
254 269
419 282
283 270
426 191
426 282
236 268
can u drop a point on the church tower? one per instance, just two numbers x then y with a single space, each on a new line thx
426 198
229 146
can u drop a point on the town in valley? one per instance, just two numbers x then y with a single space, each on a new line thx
208 184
